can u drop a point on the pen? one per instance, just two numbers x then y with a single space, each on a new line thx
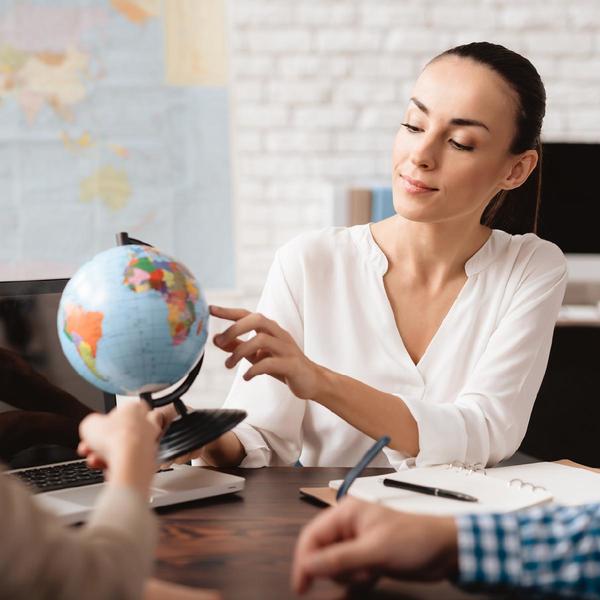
432 491
370 454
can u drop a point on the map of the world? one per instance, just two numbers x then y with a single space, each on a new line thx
114 116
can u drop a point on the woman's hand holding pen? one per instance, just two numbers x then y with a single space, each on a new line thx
272 351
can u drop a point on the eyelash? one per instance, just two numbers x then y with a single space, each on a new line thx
462 147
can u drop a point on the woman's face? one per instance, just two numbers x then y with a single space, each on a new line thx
451 154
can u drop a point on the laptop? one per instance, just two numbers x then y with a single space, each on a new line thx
43 400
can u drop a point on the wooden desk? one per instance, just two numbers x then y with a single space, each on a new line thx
242 544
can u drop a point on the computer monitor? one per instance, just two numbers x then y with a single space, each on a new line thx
42 398
570 210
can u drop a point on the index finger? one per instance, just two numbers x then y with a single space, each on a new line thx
329 527
231 314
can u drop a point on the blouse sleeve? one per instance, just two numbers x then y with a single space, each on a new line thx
488 420
272 432
110 557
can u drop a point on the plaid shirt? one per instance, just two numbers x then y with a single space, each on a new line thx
553 550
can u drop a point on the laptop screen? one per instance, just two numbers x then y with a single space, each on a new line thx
42 398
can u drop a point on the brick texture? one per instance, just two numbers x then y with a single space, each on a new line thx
318 90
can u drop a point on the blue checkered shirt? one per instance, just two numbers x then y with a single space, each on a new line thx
553 550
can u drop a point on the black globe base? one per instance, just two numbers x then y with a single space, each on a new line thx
194 430
191 430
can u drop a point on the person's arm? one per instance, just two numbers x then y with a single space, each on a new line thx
274 352
227 451
553 550
39 558
356 542
110 556
484 424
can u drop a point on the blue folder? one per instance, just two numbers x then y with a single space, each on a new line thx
382 205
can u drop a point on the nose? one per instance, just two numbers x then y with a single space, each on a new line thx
423 153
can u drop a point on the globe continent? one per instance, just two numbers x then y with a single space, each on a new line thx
132 320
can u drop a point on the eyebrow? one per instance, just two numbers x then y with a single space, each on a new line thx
455 121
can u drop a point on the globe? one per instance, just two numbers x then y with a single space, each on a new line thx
133 320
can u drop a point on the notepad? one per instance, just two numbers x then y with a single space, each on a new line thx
507 493
569 486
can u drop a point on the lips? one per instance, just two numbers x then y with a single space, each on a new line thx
419 185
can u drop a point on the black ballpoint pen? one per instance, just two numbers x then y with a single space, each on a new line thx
432 491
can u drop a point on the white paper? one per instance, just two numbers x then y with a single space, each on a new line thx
568 485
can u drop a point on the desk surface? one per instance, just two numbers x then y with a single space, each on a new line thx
242 544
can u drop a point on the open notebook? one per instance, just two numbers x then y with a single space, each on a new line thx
502 489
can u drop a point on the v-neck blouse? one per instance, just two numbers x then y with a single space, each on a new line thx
471 393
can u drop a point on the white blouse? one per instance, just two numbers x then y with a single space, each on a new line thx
471 393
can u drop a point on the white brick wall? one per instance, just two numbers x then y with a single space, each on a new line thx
319 87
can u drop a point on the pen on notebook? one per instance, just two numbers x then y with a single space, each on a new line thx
432 491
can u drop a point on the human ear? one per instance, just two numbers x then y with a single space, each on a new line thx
520 170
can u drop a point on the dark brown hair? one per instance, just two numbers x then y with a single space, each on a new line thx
516 211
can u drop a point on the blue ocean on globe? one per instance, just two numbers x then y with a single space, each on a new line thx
133 320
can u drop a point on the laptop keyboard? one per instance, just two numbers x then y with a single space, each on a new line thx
60 477
197 429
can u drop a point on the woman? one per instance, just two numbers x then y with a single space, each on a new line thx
431 326
111 556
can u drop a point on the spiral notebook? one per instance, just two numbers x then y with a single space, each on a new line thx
569 483
498 490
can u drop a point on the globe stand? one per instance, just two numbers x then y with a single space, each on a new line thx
194 429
